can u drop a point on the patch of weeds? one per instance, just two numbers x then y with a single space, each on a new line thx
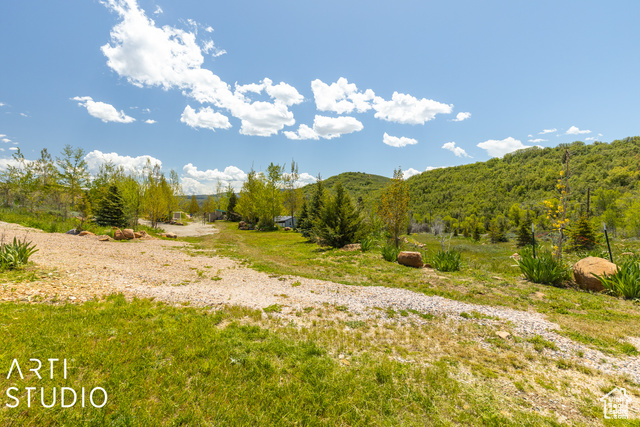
545 384
354 324
465 315
539 343
519 385
342 308
426 316
563 364
296 283
307 309
391 313
404 313
273 308
629 349
584 369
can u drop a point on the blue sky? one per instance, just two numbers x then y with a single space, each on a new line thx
212 89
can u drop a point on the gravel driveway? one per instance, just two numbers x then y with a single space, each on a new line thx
195 228
82 267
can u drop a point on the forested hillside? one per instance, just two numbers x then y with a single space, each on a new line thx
358 184
528 177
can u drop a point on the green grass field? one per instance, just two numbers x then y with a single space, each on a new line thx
162 365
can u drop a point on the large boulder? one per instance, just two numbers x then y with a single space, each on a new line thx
86 233
171 235
118 235
410 259
584 270
128 233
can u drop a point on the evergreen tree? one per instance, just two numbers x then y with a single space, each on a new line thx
524 233
583 238
476 233
317 201
231 205
497 232
111 209
194 207
339 223
305 225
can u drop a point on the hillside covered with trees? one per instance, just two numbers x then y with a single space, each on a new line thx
523 180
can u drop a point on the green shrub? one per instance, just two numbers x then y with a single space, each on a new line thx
390 252
367 243
15 254
543 269
626 281
448 260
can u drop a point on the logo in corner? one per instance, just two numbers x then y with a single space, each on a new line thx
616 404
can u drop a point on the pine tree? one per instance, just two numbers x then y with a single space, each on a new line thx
111 209
194 207
339 221
476 233
304 223
312 211
231 206
524 233
583 238
497 232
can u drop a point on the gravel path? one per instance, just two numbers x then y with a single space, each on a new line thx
82 267
194 228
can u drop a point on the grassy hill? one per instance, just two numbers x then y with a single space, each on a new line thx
526 177
358 184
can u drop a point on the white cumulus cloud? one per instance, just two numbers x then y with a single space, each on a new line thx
573 130
341 97
327 128
498 148
150 121
396 141
205 118
158 11
410 172
535 141
103 111
97 158
461 116
407 109
458 151
545 131
170 58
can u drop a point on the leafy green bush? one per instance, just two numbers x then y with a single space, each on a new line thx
367 243
543 269
15 254
448 260
390 252
626 281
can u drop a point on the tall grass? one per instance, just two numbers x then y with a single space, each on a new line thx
390 252
448 260
626 281
544 268
15 254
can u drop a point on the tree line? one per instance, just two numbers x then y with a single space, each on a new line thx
113 197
